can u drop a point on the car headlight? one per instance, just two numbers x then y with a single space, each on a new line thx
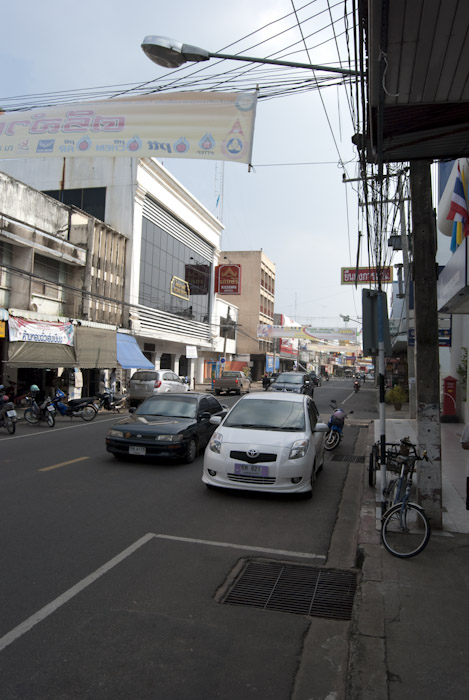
215 442
298 449
170 438
114 433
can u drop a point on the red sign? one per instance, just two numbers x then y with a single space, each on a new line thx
228 279
365 275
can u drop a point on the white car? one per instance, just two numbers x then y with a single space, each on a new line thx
267 442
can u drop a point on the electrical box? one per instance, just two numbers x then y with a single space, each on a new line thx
372 302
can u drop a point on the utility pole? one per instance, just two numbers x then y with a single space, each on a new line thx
407 282
426 339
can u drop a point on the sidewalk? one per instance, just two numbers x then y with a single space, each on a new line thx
410 636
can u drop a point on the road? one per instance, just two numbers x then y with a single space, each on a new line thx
111 569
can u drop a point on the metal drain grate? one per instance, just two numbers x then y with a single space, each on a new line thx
348 458
302 590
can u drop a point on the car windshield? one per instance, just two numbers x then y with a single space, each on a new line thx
230 374
265 414
144 376
290 378
176 407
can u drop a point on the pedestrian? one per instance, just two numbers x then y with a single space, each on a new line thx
112 381
265 381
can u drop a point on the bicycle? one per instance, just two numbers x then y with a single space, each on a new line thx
405 527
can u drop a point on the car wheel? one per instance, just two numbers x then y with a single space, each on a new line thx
191 453
217 392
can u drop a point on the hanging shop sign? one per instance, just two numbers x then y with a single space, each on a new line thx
180 288
343 335
21 329
365 275
228 279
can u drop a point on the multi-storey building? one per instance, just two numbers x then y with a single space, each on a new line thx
255 303
172 249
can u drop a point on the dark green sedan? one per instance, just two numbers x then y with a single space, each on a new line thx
168 426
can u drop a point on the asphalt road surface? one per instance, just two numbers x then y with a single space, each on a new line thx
110 570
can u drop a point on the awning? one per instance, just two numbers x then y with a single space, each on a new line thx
129 355
95 348
29 354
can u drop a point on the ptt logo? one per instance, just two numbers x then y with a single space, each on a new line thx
45 145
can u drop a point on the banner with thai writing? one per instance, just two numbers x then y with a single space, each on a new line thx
325 334
208 125
21 329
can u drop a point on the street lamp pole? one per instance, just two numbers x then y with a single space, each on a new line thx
170 53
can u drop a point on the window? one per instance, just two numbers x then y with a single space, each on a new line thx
51 273
89 199
162 257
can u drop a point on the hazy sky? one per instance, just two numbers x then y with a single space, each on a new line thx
293 204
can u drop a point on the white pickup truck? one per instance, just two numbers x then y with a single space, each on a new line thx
231 381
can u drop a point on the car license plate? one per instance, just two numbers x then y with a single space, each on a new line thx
11 414
50 408
136 450
251 469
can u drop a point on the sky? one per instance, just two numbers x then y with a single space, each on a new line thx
293 203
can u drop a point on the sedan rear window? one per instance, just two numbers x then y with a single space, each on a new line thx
265 414
145 376
170 407
290 378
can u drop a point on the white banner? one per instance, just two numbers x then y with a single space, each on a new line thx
340 334
20 329
208 125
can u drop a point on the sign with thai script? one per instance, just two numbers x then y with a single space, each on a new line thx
208 125
40 331
365 275
228 279
180 288
348 335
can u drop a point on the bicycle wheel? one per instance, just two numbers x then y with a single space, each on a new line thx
10 425
89 412
405 531
332 440
31 416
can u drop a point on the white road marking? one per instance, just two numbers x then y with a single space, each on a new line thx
55 430
230 545
71 593
54 605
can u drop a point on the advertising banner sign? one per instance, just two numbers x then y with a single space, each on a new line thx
365 275
228 279
22 329
348 335
208 125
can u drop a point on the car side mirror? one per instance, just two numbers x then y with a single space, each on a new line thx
216 420
205 415
321 428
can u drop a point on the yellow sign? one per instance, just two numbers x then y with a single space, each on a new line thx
2 329
180 288
208 125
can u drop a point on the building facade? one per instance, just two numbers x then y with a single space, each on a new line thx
172 250
256 305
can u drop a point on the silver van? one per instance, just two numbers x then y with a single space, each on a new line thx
148 382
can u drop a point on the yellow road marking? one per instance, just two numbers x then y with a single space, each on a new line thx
62 464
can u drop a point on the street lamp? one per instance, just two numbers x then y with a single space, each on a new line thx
170 53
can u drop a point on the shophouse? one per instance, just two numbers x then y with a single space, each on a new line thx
61 290
254 295
172 248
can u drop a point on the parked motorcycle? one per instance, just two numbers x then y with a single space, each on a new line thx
109 401
37 413
356 385
8 415
336 426
83 408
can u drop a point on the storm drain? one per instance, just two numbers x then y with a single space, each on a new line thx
301 590
348 458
